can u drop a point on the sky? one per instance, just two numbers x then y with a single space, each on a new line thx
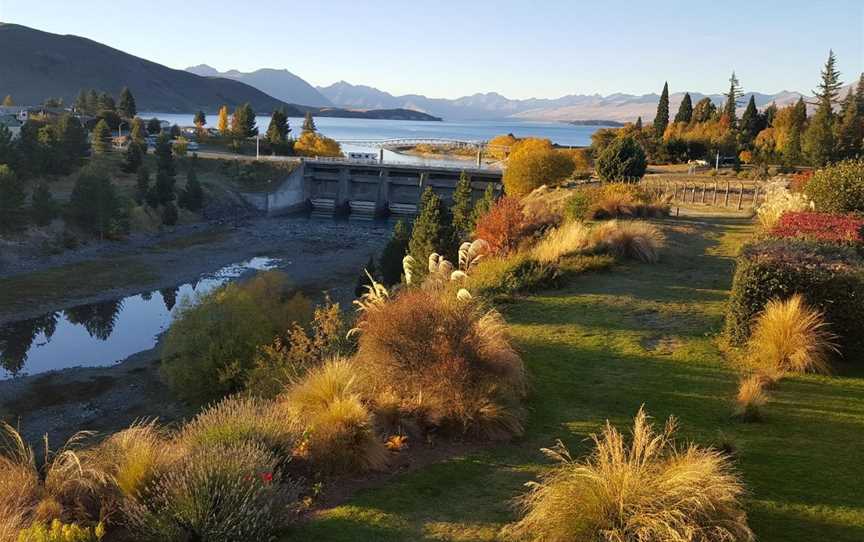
447 49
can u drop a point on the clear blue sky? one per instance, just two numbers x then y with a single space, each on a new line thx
540 48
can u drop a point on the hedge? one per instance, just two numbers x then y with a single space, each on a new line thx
830 277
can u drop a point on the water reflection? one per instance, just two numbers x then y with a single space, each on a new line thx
99 334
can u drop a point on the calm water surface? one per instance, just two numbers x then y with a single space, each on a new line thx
101 334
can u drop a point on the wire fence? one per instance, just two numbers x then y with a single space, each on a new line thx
727 194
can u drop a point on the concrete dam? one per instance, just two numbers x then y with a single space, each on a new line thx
367 189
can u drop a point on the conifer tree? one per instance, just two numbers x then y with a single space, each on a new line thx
11 199
43 207
154 127
92 102
859 95
849 128
165 171
106 102
127 107
73 139
704 110
829 87
222 122
732 97
430 232
132 158
169 214
661 119
750 121
81 102
769 114
138 134
818 142
94 204
638 124
277 131
485 203
463 209
243 122
100 139
309 123
390 261
8 148
685 110
199 121
142 185
192 197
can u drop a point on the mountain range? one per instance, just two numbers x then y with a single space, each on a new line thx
281 84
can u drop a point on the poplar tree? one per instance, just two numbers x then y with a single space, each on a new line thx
222 123
661 119
462 210
100 139
127 107
685 110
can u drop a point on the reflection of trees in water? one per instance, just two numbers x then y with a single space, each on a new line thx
169 296
97 318
16 339
147 296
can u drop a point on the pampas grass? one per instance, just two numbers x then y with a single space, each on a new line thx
649 489
790 336
339 430
570 238
629 239
751 398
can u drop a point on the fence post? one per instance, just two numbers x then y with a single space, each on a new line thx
702 200
741 197
727 195
693 197
714 199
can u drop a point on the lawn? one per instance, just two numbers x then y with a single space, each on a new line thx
600 348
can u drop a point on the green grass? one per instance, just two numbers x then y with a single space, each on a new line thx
599 349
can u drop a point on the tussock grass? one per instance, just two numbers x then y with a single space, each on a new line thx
751 398
790 336
570 238
630 239
444 362
647 489
339 429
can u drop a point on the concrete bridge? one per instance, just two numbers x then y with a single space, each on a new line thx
366 189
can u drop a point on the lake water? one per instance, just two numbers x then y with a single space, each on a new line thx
101 334
479 130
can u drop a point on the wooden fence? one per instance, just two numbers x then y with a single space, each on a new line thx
720 193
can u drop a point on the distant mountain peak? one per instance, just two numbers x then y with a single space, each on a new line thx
203 70
279 83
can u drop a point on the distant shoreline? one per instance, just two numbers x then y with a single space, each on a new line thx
592 122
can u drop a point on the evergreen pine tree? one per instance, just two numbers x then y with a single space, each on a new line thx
685 110
92 102
154 127
277 131
142 185
192 197
859 95
81 102
132 158
12 198
309 123
100 139
849 128
638 124
363 280
127 107
106 102
430 232
661 119
704 110
750 121
43 207
8 148
169 214
732 97
165 171
829 86
243 122
485 203
94 204
769 114
463 209
200 120
390 261
73 139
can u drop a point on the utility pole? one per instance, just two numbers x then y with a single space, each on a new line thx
717 162
257 147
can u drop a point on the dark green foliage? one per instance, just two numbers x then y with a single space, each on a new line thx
463 209
277 132
829 87
830 277
750 124
431 231
485 203
175 131
685 110
506 276
390 261
106 102
704 110
661 119
850 128
623 159
153 126
169 214
92 102
43 207
817 143
132 158
165 171
192 196
73 140
94 205
309 123
579 205
731 104
11 199
111 118
363 280
100 139
200 119
8 153
127 106
81 102
142 185
769 114
838 188
243 122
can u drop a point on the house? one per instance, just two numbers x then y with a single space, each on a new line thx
12 123
22 113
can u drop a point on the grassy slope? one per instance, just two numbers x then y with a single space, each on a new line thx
599 349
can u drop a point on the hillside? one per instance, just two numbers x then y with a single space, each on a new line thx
36 65
614 107
281 84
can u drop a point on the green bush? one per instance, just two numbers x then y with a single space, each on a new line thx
211 346
578 205
511 274
623 159
838 188
831 278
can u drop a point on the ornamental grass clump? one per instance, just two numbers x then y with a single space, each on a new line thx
570 238
444 362
629 239
219 493
778 199
338 429
751 398
647 489
790 336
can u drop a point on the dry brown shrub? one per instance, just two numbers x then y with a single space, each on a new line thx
630 239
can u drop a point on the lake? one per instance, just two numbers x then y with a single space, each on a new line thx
476 130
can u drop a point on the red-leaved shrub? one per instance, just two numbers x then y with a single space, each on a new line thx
832 228
503 226
800 180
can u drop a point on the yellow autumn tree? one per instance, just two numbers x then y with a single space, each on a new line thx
534 162
315 144
222 123
8 101
500 146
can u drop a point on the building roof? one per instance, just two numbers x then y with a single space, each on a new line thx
10 121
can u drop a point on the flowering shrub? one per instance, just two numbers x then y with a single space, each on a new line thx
842 229
778 200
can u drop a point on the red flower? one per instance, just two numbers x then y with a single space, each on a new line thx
267 477
843 229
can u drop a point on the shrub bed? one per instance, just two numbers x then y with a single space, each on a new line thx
830 277
840 229
838 188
